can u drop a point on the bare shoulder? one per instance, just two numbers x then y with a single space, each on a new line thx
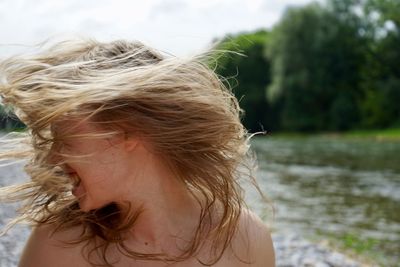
253 241
47 249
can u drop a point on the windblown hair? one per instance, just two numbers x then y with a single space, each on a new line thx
180 106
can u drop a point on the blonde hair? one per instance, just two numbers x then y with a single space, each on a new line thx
179 105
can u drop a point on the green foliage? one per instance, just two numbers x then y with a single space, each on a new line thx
381 83
8 120
247 71
388 10
358 244
385 134
323 67
316 54
366 249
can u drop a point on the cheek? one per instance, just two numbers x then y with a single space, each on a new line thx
104 175
103 182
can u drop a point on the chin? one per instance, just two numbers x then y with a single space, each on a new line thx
86 205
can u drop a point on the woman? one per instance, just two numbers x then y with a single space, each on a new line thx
135 160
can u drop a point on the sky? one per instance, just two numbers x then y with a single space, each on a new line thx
180 27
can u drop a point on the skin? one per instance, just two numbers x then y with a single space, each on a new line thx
169 211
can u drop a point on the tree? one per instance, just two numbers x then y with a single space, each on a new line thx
381 83
248 74
8 120
315 55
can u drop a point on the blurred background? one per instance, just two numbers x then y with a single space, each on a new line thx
321 78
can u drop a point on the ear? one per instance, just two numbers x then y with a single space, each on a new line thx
131 142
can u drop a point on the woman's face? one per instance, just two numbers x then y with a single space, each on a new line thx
95 164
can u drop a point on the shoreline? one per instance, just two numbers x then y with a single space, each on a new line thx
293 250
391 134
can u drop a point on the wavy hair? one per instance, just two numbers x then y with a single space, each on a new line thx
180 106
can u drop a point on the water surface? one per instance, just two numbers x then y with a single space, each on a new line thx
333 187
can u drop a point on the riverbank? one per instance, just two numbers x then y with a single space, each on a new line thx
386 134
392 134
337 189
292 250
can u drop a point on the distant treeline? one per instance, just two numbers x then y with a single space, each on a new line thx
323 67
8 121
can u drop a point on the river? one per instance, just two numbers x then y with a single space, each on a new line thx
345 190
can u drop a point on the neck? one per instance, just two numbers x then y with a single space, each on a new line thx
169 213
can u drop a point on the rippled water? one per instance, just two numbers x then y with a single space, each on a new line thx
320 187
333 187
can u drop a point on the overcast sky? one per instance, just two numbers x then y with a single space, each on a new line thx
176 26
